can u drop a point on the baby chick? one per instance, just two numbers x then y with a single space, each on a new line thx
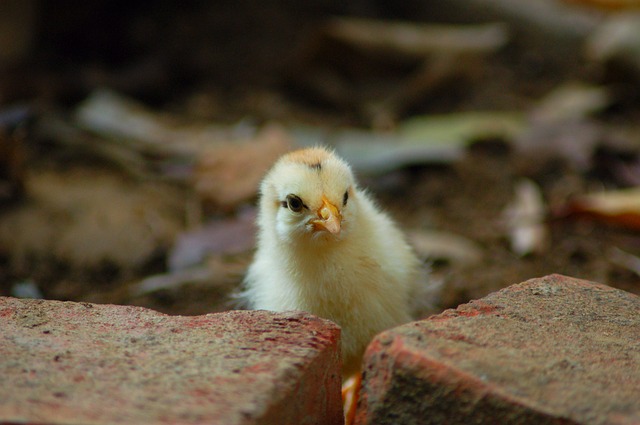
324 247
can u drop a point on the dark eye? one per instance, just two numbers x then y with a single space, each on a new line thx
294 203
345 198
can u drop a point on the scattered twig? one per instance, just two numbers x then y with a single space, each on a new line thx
418 40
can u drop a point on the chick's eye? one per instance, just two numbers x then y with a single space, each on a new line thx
294 203
345 198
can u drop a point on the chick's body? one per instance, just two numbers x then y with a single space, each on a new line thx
325 248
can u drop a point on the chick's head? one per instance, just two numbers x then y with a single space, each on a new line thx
309 194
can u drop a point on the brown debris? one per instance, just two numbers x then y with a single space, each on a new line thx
229 174
12 166
87 219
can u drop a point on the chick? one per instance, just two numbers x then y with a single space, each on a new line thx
325 247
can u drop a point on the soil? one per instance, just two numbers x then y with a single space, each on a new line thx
65 197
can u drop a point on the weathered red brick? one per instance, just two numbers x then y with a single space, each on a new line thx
554 350
72 363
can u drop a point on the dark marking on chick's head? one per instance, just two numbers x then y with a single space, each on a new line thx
311 157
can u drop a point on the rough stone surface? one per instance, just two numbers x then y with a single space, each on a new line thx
554 350
72 363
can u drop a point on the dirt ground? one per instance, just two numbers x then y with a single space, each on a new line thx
78 222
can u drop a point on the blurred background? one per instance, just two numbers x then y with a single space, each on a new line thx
503 135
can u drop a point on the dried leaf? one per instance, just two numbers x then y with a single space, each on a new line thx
382 68
126 121
571 141
87 218
570 101
218 273
228 236
456 249
374 153
461 128
550 25
617 39
624 259
609 4
560 128
26 289
85 144
174 280
416 39
377 157
620 207
525 219
229 174
422 140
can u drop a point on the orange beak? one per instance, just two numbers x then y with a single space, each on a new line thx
329 218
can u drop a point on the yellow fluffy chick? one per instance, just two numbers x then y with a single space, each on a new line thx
324 247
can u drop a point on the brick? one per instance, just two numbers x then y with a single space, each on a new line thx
554 350
79 363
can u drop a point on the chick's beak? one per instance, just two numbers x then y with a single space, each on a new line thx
329 218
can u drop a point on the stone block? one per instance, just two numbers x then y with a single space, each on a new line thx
554 350
79 363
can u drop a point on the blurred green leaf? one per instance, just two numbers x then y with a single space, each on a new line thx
464 127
